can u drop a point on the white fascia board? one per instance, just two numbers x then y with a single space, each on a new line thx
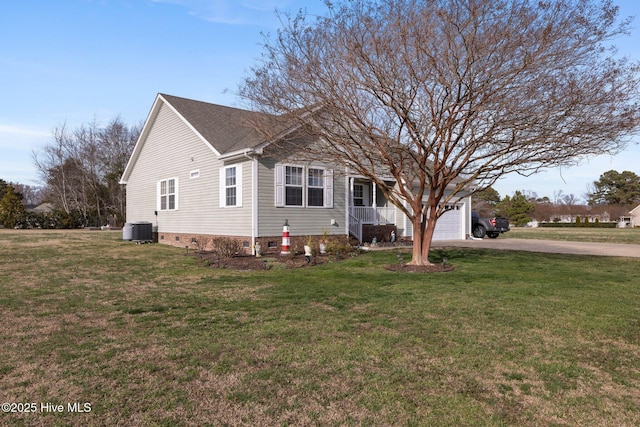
140 142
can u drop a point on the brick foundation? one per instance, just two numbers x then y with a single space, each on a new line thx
271 245
198 241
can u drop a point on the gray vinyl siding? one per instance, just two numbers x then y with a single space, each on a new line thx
302 220
172 149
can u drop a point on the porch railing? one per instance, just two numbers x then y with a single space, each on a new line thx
355 227
371 215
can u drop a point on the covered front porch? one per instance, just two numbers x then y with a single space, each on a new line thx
367 205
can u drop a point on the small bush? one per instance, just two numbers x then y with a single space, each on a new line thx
339 246
274 264
226 246
201 244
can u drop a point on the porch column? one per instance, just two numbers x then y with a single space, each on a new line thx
374 203
347 219
351 183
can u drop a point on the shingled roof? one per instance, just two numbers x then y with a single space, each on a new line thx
227 129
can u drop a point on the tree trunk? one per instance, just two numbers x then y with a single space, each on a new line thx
422 235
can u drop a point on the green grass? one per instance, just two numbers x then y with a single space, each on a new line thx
150 338
602 235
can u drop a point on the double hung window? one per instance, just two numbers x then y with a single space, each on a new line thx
231 186
315 187
293 186
303 186
168 194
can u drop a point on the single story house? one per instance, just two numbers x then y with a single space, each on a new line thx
200 169
634 215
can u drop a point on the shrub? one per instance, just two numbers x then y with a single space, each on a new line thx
57 219
226 246
201 244
339 246
573 224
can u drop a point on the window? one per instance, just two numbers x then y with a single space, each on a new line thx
293 186
168 194
231 186
315 191
303 187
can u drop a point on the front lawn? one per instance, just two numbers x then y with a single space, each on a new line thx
145 336
577 234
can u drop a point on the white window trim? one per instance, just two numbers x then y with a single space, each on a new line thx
280 185
302 186
309 186
223 186
175 193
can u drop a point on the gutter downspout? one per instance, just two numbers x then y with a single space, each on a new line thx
348 192
254 199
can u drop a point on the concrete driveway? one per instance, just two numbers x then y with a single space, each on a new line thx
551 246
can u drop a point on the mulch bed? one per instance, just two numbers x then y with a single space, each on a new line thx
251 263
248 262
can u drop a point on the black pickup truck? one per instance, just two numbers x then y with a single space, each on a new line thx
491 227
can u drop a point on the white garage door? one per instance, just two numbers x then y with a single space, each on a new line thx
449 225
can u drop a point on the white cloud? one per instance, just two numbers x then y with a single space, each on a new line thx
10 130
250 12
17 144
19 139
266 6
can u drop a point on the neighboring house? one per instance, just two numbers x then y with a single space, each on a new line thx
201 170
43 208
634 215
571 218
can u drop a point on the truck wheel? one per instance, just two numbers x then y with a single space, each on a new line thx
479 231
493 235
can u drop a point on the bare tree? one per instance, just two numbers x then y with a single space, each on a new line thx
446 94
81 169
117 141
50 162
31 195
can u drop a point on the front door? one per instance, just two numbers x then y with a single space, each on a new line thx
361 194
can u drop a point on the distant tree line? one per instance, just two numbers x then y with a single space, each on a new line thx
80 169
613 195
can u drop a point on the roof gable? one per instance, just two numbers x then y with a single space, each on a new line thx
224 129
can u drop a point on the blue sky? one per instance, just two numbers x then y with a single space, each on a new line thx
74 61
